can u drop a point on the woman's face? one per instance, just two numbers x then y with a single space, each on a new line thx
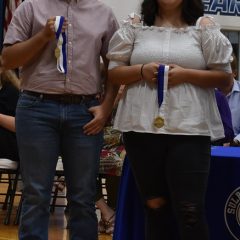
169 4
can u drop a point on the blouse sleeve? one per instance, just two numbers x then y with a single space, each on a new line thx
217 49
121 45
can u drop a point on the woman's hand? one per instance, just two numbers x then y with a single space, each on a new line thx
176 75
150 71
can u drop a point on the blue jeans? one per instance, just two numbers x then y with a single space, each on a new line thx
46 129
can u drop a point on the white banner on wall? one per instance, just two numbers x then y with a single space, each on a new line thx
226 12
122 8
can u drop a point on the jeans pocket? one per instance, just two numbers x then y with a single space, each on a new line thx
27 101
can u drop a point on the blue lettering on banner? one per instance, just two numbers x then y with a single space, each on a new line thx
222 7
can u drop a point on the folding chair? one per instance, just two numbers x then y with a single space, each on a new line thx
11 169
58 183
58 186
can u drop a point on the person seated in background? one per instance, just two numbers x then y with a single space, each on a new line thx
232 93
226 117
9 92
111 162
112 156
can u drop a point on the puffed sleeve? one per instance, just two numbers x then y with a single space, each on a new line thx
121 45
217 49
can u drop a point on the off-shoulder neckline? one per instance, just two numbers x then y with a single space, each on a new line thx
198 26
170 29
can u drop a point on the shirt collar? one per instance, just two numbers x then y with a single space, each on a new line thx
236 86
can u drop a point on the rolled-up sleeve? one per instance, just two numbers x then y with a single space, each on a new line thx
112 28
19 29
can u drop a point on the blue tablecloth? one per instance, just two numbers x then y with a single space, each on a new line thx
222 203
223 194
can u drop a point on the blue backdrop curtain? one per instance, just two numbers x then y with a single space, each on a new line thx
2 11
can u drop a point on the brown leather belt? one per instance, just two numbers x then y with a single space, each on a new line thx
62 98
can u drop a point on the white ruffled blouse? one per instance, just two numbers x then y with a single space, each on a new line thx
188 109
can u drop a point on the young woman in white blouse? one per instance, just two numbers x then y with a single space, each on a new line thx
170 159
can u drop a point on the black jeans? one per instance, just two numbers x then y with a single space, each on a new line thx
174 168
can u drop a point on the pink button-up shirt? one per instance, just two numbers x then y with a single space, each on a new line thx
91 25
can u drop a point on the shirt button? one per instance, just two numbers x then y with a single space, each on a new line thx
70 43
67 79
70 25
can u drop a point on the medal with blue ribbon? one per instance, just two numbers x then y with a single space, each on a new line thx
60 51
162 82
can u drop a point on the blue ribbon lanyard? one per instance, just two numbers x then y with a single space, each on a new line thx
160 84
60 51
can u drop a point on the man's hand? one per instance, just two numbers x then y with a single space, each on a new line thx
49 29
98 122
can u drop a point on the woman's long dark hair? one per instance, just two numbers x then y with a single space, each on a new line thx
191 11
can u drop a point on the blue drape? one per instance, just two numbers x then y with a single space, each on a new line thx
129 223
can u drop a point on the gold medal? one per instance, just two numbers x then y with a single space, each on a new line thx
57 52
158 122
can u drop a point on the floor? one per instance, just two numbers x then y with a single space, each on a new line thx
57 230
